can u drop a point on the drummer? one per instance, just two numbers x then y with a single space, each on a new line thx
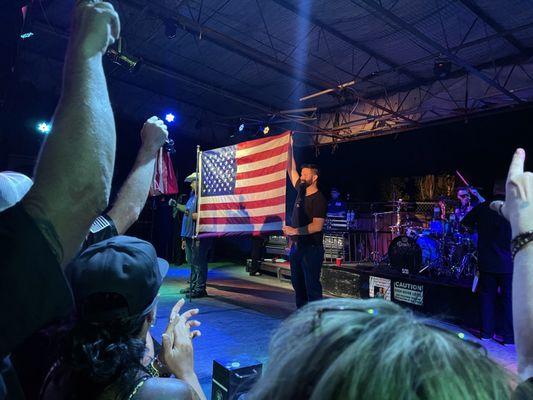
336 207
468 197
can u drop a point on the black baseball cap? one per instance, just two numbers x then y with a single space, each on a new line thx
116 278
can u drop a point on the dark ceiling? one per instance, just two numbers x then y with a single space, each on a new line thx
254 59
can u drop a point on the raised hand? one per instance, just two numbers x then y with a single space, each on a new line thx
95 26
154 133
177 342
518 205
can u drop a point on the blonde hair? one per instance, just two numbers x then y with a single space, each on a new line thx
374 349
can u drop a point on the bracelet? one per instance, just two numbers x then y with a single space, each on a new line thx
160 368
519 242
152 370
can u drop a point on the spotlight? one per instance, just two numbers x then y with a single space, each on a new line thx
241 127
44 127
442 67
265 130
171 28
170 118
26 35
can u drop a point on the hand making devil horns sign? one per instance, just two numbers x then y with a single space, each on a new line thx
518 205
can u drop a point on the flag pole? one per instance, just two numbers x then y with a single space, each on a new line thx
198 188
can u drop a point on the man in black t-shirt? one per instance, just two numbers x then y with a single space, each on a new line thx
495 265
307 252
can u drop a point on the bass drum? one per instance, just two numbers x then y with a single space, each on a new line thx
431 251
409 255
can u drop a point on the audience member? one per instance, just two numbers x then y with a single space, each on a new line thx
494 266
374 349
71 187
518 209
115 284
196 249
124 212
132 195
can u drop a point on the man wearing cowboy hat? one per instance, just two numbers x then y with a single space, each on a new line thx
195 249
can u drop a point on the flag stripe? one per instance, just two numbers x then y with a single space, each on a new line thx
273 218
257 142
262 171
261 164
261 188
276 176
261 147
243 228
255 212
275 201
243 197
263 155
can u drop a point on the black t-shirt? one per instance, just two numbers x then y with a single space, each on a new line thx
305 209
494 239
33 289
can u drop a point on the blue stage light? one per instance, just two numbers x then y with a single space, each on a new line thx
170 118
44 127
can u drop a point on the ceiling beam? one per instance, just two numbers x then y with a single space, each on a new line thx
341 36
499 62
232 45
126 82
393 19
238 47
478 12
153 66
456 49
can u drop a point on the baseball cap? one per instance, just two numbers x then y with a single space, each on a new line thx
13 187
116 278
192 177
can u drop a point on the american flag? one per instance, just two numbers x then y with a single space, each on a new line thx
242 187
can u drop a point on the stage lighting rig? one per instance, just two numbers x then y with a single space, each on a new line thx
44 127
117 56
442 67
170 118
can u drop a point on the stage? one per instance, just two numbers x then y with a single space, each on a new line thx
451 300
241 312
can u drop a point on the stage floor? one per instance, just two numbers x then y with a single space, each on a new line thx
241 312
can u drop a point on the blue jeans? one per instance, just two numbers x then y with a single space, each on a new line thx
306 264
196 252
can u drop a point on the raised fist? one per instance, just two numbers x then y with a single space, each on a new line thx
154 134
518 205
95 26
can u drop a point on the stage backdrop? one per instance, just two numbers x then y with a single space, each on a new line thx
242 188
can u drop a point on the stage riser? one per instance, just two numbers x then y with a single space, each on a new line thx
447 302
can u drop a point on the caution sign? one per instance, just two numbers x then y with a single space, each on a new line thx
409 293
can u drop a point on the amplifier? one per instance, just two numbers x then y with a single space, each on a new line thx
277 244
336 224
232 378
335 245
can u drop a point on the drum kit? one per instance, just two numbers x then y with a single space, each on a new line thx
442 248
